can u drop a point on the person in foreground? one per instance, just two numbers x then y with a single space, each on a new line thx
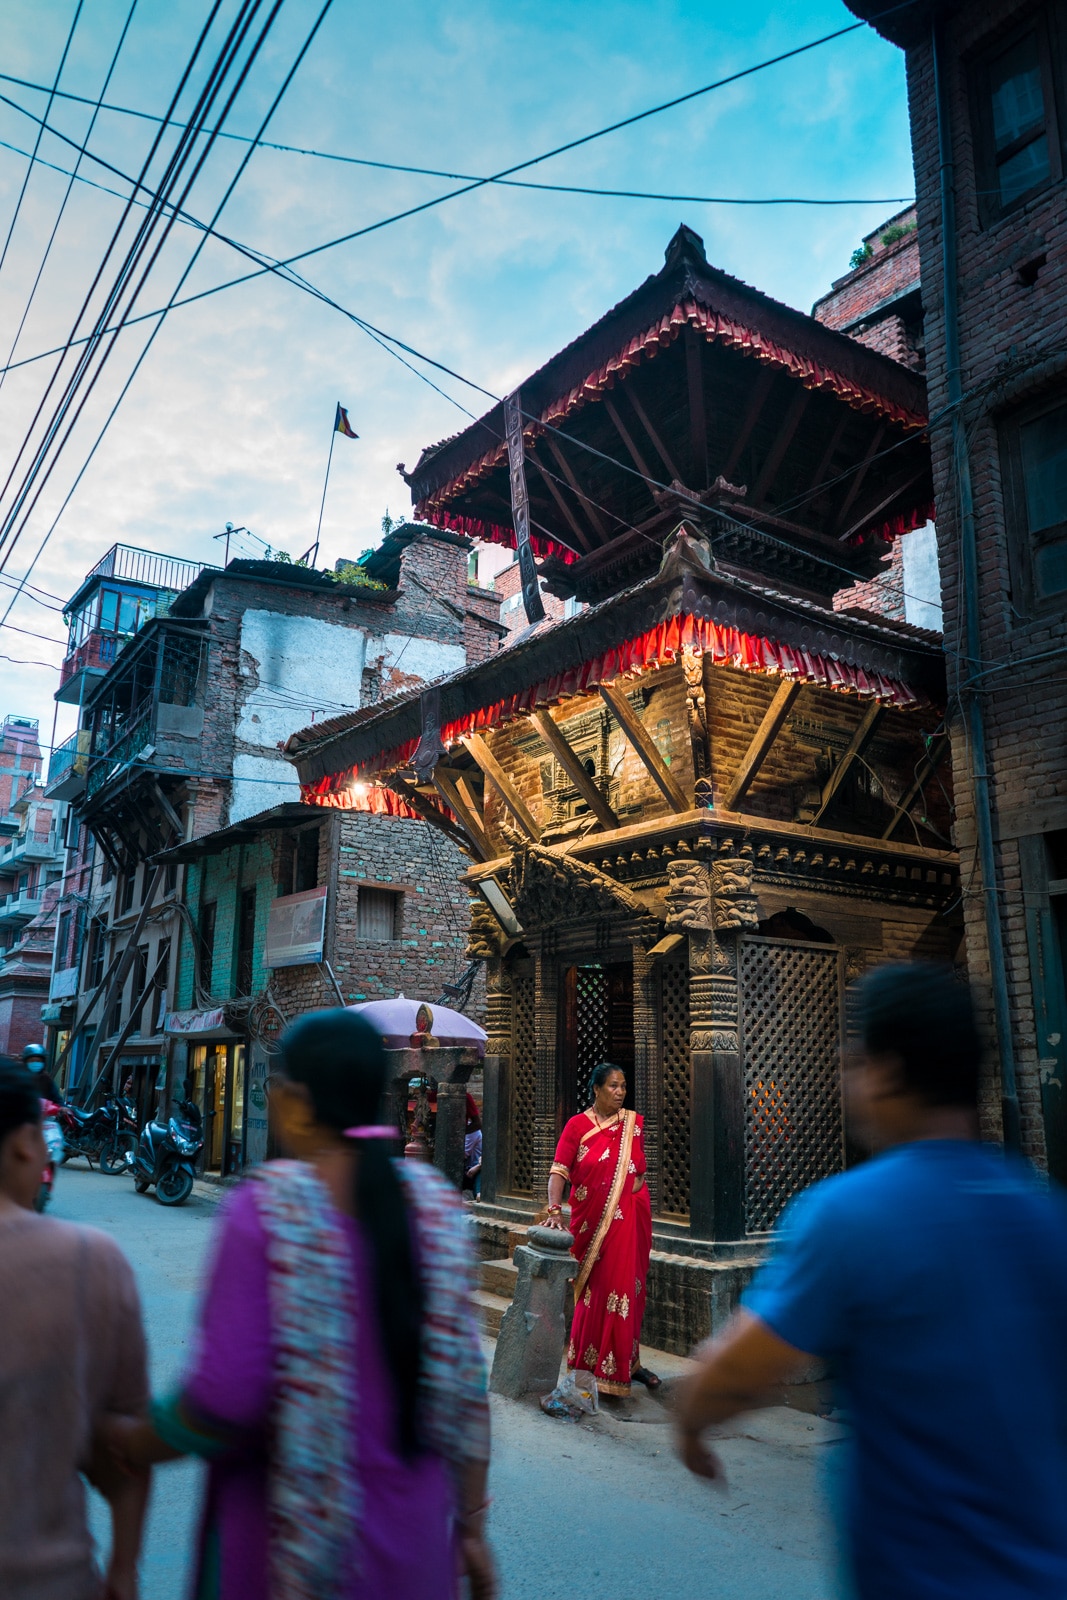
337 1389
933 1279
71 1349
601 1155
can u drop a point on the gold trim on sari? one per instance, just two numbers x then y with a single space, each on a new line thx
622 1172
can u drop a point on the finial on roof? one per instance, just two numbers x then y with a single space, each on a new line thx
686 245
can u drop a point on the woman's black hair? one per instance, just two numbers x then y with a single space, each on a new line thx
922 1014
20 1098
340 1059
600 1074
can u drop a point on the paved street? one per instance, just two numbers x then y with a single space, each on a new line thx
606 1500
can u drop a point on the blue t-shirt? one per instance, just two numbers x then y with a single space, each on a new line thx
934 1280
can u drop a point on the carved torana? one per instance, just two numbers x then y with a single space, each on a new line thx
733 903
688 895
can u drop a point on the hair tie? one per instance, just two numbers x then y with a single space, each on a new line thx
372 1130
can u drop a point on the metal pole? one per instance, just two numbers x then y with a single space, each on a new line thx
969 591
322 503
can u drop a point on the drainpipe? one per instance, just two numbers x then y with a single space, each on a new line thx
970 699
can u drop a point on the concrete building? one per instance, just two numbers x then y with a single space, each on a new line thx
988 101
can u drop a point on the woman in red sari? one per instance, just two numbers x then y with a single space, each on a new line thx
601 1155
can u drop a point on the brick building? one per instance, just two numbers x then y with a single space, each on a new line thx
179 746
987 88
699 805
879 300
25 970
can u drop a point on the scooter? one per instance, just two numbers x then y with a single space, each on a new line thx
166 1155
53 1138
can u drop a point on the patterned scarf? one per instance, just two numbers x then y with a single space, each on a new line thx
315 1499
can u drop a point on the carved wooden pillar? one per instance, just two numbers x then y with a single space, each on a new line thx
546 1097
648 1064
496 1093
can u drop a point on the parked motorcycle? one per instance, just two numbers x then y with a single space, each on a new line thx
107 1134
167 1153
53 1138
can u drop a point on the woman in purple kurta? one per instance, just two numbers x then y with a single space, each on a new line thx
339 1468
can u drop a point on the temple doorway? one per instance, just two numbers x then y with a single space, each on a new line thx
597 1025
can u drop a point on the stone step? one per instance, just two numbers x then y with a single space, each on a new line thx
491 1308
516 1235
498 1277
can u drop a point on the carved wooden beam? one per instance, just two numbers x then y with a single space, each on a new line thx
760 748
783 439
758 399
503 785
873 511
857 480
860 740
646 422
565 467
568 515
926 771
552 736
645 747
698 427
461 801
627 438
427 810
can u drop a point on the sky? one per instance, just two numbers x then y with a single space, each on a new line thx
229 416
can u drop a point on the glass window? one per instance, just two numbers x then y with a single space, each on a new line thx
1019 118
109 610
1043 455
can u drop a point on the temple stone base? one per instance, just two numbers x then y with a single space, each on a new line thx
690 1297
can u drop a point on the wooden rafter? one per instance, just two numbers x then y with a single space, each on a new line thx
627 438
858 477
553 737
568 515
831 450
646 423
645 747
503 785
565 467
883 504
783 439
449 790
427 810
762 740
757 400
860 740
927 768
698 426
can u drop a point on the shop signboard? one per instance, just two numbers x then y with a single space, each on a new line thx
296 929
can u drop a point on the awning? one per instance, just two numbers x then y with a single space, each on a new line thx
189 1022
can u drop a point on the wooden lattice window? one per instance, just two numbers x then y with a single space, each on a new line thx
790 1047
523 1083
674 1036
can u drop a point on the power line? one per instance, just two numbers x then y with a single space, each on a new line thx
506 183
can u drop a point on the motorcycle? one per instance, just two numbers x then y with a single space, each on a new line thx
167 1153
53 1138
107 1134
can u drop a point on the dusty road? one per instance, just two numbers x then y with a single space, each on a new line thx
602 1508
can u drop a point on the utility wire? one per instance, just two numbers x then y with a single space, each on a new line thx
73 176
279 96
33 157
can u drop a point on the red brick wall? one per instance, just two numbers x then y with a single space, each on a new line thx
883 594
1005 327
859 303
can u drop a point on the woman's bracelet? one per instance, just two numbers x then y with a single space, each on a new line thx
554 1211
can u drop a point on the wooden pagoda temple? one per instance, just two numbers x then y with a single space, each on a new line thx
703 804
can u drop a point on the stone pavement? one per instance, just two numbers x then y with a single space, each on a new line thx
600 1506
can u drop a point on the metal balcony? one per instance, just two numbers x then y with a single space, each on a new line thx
67 768
145 566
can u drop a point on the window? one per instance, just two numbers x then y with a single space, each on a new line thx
306 861
129 882
378 914
246 940
1017 143
63 940
94 966
137 987
207 943
1036 451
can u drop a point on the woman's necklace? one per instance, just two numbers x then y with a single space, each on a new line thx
602 1125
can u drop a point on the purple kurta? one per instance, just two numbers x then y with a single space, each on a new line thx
405 1545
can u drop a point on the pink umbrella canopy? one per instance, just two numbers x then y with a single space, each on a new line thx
399 1018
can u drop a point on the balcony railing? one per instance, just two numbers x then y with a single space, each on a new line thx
97 652
145 566
68 758
104 762
21 907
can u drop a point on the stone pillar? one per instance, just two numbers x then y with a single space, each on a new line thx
546 1096
529 1349
648 1065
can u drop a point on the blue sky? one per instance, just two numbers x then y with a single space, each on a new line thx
229 418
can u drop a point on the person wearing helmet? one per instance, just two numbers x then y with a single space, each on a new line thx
34 1057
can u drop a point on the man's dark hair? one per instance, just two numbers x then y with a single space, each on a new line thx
20 1096
922 1014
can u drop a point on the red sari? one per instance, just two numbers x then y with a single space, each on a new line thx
612 1228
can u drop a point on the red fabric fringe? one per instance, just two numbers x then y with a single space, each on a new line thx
655 648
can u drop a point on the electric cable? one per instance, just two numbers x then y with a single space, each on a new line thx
218 211
73 176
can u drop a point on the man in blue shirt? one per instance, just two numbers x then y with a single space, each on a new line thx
933 1279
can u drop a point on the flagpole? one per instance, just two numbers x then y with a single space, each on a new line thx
326 480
